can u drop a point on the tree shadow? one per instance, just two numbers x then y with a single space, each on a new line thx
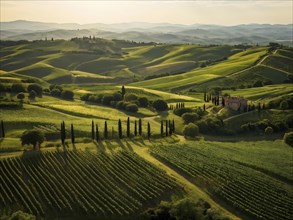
137 143
73 146
110 146
100 146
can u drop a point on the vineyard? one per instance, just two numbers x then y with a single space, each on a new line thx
81 183
255 193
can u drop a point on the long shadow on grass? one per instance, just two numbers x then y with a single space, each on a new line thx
100 146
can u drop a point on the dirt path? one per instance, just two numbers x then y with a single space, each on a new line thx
189 187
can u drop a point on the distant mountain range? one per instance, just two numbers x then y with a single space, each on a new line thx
151 32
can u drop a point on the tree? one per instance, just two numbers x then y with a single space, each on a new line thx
128 127
170 128
20 96
162 129
2 130
106 100
37 88
190 130
140 127
63 133
135 128
204 107
143 102
34 137
17 88
160 105
66 94
55 92
131 107
93 130
288 139
269 130
190 117
106 130
123 91
149 130
284 105
166 128
129 97
173 124
97 133
72 134
117 96
32 95
119 129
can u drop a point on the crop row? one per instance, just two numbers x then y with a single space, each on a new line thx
253 192
81 182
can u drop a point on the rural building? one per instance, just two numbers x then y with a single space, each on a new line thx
235 103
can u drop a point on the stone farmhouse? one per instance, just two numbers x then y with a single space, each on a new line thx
235 103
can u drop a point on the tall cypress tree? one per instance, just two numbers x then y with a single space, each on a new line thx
72 134
135 128
149 130
204 107
123 91
119 129
2 129
173 126
106 130
140 127
128 127
97 133
162 128
63 133
205 96
93 130
166 128
170 128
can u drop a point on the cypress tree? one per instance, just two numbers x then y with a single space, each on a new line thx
119 129
2 129
204 107
106 130
135 128
205 96
170 128
166 128
97 133
140 127
173 126
223 102
72 134
123 91
162 128
93 130
128 127
149 130
63 132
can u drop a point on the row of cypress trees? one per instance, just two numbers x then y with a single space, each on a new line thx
95 134
169 128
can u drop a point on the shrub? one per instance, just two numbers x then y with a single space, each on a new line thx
120 105
130 97
92 98
85 97
258 84
269 130
143 102
37 88
117 96
20 96
245 127
131 107
190 117
66 94
284 105
288 139
190 130
55 92
181 111
17 88
160 105
106 100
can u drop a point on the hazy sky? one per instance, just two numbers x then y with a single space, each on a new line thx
184 12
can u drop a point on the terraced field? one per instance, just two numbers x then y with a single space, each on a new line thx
247 183
81 182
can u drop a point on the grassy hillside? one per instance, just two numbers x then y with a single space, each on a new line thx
235 63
